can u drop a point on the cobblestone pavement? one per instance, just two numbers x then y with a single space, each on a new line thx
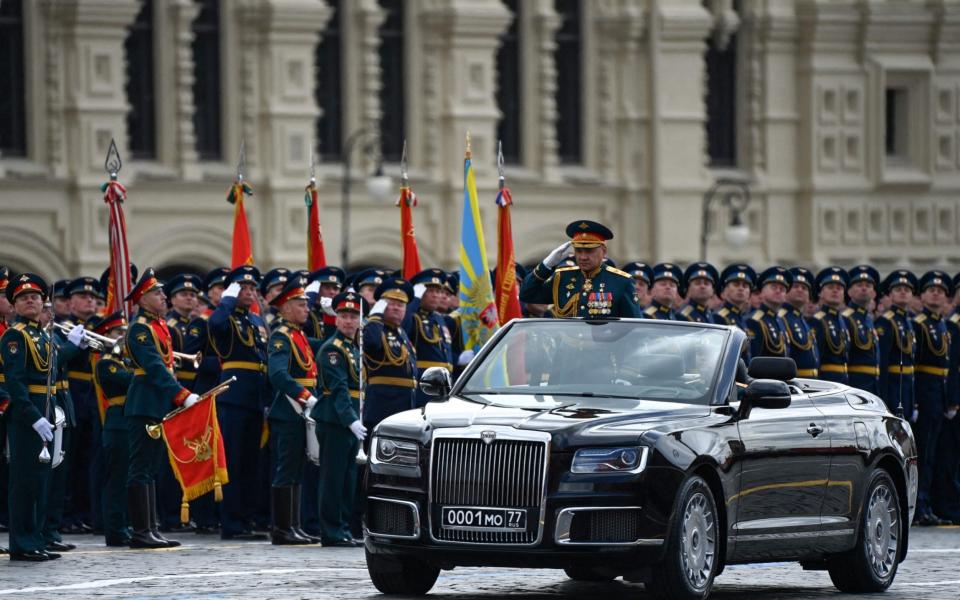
206 567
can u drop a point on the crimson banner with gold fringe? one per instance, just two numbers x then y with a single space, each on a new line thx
316 257
242 251
506 289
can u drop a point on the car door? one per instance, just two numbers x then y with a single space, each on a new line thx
783 476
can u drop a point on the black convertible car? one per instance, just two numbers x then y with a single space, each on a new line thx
641 449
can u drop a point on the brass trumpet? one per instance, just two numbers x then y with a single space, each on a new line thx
192 358
100 343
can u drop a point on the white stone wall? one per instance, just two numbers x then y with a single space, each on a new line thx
812 77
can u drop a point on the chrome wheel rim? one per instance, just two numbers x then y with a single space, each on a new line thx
698 541
882 531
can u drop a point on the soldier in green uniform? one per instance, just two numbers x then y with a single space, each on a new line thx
339 430
591 289
111 379
154 391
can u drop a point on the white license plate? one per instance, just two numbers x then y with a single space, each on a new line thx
473 518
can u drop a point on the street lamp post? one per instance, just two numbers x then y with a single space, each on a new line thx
378 184
735 195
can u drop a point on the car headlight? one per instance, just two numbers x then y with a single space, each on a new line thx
401 453
631 459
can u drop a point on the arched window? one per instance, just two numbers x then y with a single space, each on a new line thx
13 113
206 83
569 82
392 103
142 118
329 90
721 64
508 86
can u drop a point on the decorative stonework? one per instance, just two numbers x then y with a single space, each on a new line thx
544 23
181 14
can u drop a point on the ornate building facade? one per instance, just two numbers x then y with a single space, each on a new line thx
842 117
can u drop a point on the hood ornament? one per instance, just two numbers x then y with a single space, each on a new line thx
488 437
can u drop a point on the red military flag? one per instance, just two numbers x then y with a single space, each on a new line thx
120 281
195 450
242 251
316 257
506 288
408 239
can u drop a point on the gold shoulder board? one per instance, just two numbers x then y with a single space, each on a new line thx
617 271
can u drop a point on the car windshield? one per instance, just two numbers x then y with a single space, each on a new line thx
547 364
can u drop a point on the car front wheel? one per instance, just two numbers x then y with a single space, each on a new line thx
401 575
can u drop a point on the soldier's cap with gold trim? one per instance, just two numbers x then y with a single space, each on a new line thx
103 324
700 270
24 284
84 285
60 287
453 282
898 277
4 278
430 278
668 271
804 276
273 278
347 302
292 290
105 279
394 288
217 276
738 272
372 277
832 275
936 278
183 282
588 234
329 276
147 283
775 274
244 274
639 270
863 273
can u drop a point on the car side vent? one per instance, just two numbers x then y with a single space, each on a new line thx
613 526
391 518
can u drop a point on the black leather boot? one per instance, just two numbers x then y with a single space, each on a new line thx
141 519
297 518
155 519
281 499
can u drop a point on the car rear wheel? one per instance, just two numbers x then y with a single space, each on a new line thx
872 564
401 575
691 560
588 574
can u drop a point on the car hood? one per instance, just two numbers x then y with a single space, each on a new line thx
576 422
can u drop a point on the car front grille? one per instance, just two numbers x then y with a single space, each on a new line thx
391 518
503 473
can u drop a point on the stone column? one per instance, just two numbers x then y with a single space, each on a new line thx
539 84
181 14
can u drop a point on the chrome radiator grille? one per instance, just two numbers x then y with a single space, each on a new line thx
504 473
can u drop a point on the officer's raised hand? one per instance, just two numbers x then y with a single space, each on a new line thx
553 259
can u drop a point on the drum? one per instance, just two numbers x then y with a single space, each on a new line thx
59 422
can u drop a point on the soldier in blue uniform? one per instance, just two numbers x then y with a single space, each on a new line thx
590 289
642 274
897 345
239 337
366 283
699 283
389 358
339 430
829 327
736 283
451 319
946 480
930 384
765 328
61 302
864 349
803 345
425 327
270 285
323 285
664 292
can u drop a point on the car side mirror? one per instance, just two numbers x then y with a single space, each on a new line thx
435 381
767 393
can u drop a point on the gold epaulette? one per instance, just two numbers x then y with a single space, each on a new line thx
819 315
686 310
757 315
338 343
143 320
565 269
376 318
617 271
889 315
782 312
848 312
650 310
955 318
723 312
283 329
171 322
920 318
19 326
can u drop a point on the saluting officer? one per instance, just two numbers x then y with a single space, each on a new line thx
736 283
642 274
864 349
898 347
111 380
664 292
239 337
388 356
324 284
293 377
699 284
829 327
339 430
765 328
154 391
803 345
591 289
932 368
270 286
425 326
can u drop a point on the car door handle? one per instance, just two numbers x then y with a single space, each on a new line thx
814 429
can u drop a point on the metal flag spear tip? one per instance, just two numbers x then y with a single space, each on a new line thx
469 152
242 160
500 169
313 167
113 164
404 180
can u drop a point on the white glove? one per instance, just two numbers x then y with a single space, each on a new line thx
378 308
326 305
191 400
419 289
553 259
45 429
915 415
313 288
358 430
78 336
465 357
951 413
311 402
232 291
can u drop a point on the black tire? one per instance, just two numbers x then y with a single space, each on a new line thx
872 564
588 574
692 546
401 575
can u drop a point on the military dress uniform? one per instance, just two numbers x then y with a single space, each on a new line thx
321 324
239 337
830 329
803 346
864 349
930 387
452 321
765 328
897 352
603 292
729 313
427 331
695 312
669 272
272 279
337 410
